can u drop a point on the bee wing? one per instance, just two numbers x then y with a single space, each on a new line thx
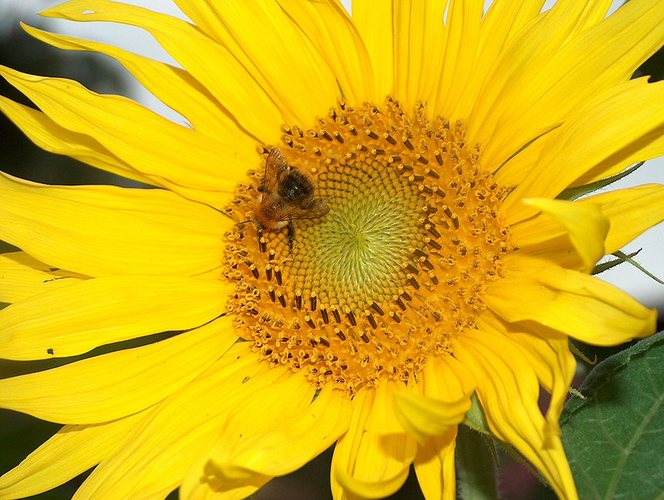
316 209
275 167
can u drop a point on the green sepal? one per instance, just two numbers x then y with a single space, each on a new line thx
475 417
628 258
476 421
526 146
605 266
622 257
476 465
573 193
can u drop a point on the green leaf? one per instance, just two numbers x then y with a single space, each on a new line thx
615 438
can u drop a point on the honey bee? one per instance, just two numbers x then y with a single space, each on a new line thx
285 194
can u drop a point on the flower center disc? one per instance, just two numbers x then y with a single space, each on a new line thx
396 268
358 248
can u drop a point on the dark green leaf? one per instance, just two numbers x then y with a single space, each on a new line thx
615 438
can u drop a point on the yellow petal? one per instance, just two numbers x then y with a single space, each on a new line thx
574 303
105 230
525 53
566 64
462 31
50 136
508 392
46 134
425 417
120 383
626 114
372 459
631 211
502 22
374 22
75 319
70 452
443 405
586 227
207 487
154 458
227 80
330 29
543 236
434 466
21 277
202 14
171 85
555 246
147 141
446 378
554 365
647 147
595 12
280 429
279 56
549 356
419 43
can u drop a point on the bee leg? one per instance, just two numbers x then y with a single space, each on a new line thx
259 233
291 235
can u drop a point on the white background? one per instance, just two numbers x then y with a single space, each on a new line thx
625 276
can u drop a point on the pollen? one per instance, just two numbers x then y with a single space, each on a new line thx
396 269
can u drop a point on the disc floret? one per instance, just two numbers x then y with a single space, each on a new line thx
396 269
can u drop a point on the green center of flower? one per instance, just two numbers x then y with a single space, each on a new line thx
396 268
359 245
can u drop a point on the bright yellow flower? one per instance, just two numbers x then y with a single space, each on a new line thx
445 266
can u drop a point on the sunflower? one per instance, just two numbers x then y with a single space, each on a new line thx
446 258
